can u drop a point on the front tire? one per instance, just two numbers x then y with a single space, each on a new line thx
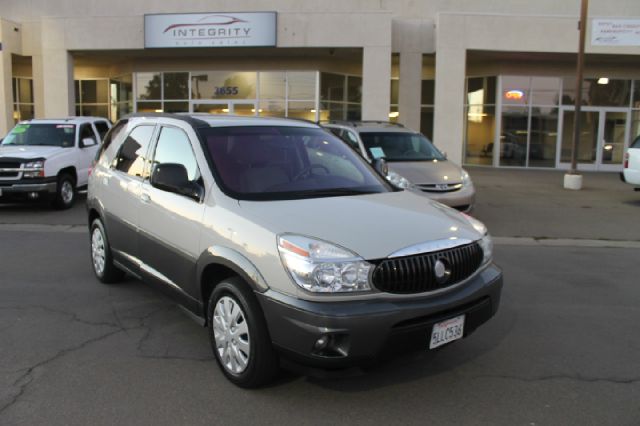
65 195
239 337
101 258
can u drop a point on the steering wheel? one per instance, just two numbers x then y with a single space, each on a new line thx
307 170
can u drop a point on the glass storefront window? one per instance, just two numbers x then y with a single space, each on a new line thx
271 108
515 90
354 89
428 92
545 90
354 112
598 92
395 92
301 85
149 106
331 111
332 87
301 109
175 106
176 85
636 94
22 91
272 85
27 111
588 136
481 126
223 85
94 91
481 90
426 121
148 85
543 137
514 135
95 110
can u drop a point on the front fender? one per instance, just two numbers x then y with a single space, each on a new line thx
234 260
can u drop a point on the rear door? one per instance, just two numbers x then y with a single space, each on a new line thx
120 193
171 225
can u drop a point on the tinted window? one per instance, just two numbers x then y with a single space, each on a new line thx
397 146
132 155
174 147
102 128
270 163
42 134
86 132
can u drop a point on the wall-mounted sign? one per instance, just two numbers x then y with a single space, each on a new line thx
210 30
615 32
514 95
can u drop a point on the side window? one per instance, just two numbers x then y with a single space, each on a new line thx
174 147
86 132
116 134
102 127
636 143
132 155
351 139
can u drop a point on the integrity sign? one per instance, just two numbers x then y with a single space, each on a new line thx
210 30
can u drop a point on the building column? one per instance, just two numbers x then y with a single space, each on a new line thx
376 82
58 88
6 93
38 85
410 90
451 58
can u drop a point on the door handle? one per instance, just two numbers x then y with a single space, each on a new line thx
146 198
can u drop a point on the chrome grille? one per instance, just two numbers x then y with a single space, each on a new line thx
416 273
439 187
9 169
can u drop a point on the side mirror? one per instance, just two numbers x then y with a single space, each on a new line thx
172 177
381 166
87 142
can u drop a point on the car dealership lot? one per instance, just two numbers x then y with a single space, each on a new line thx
561 350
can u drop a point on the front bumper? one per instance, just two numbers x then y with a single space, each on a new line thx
28 185
463 199
363 331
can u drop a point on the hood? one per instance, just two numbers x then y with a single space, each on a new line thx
30 151
427 172
372 225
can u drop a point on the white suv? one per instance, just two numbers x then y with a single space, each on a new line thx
285 242
631 171
49 158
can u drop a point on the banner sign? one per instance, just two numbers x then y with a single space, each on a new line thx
615 32
210 29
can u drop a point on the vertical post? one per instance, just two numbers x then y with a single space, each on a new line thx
579 72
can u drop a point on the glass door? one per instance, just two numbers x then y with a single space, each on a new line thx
601 142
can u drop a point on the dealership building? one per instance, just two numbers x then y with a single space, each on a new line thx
491 83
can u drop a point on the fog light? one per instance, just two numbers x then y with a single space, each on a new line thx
33 195
322 342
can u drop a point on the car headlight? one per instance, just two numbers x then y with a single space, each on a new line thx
485 242
466 179
34 169
487 248
397 180
322 267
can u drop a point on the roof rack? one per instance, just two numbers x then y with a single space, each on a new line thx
360 123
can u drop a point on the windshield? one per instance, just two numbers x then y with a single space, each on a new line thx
396 146
62 135
276 162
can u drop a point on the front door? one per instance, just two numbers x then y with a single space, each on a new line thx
603 132
225 107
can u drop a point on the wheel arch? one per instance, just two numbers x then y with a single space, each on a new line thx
70 170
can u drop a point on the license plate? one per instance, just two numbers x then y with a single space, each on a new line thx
447 331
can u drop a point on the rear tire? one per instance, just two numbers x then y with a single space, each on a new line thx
239 337
101 258
65 195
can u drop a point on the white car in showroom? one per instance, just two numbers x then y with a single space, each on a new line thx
631 171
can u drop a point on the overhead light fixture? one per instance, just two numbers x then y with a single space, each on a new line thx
603 80
225 109
159 110
394 114
312 110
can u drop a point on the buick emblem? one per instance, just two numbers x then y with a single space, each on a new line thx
441 271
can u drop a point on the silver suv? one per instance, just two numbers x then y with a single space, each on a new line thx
285 242
414 162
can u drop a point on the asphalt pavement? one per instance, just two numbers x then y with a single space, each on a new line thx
563 348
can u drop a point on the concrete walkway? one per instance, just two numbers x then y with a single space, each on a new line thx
533 203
